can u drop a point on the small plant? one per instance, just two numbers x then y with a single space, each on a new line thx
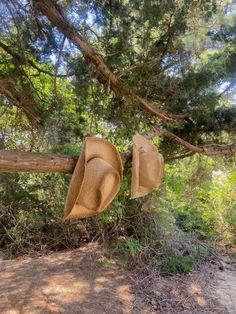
128 247
177 264
104 261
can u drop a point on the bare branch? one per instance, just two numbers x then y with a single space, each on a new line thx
15 161
57 65
226 89
208 149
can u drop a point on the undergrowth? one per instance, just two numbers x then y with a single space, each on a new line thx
171 230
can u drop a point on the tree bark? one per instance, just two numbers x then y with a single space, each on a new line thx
14 161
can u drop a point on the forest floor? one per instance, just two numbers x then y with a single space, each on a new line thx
84 281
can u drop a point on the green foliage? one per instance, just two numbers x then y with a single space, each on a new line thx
177 264
128 247
197 196
163 229
104 261
180 55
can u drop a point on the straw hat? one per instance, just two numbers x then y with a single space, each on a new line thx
147 167
95 181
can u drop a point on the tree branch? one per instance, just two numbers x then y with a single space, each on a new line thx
8 88
57 65
104 75
25 61
208 149
181 156
15 161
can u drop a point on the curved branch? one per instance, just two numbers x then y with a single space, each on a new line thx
15 161
55 15
208 149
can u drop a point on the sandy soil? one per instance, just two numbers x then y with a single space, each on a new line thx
68 282
226 289
83 281
193 293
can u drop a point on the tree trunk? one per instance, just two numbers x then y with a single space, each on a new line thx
13 161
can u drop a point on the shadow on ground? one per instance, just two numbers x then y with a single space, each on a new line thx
78 281
68 282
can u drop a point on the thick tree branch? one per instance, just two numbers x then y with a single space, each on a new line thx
104 75
208 149
14 161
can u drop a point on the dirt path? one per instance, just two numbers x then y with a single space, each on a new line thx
226 289
68 282
83 281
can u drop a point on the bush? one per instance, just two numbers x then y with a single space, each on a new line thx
177 264
163 227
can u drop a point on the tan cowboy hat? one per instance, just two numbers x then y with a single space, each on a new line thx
95 181
147 167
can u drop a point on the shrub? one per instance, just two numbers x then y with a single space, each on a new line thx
177 264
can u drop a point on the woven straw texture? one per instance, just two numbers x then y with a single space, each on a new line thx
147 167
95 181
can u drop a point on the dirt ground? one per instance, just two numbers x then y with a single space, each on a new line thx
226 289
83 281
206 290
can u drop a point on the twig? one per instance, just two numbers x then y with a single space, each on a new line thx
57 65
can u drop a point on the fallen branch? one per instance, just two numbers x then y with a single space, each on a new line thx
104 75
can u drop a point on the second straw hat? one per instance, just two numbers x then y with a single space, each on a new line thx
95 181
147 167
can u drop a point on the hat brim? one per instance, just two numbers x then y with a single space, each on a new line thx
94 148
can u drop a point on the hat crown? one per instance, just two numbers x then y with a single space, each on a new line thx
147 167
99 181
150 169
95 180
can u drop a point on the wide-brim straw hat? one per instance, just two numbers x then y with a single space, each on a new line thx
147 167
95 180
